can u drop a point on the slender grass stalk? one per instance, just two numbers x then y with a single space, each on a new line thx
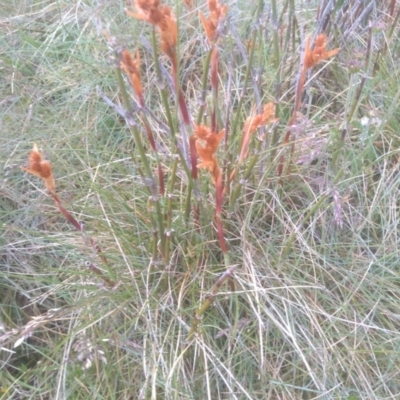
206 67
357 98
90 241
354 98
238 116
226 166
277 68
238 187
215 115
168 224
296 230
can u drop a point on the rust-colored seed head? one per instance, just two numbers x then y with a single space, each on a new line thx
217 15
132 69
253 122
313 56
162 17
41 168
207 143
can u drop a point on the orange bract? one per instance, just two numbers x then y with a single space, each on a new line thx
207 143
132 69
253 123
313 56
39 167
217 14
154 13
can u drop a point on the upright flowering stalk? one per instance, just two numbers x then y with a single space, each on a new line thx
217 14
209 139
312 56
131 67
207 143
41 168
252 123
162 18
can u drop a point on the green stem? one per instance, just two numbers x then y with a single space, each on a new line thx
151 184
246 79
206 68
169 213
277 84
236 191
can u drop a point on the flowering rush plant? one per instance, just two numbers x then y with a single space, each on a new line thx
193 142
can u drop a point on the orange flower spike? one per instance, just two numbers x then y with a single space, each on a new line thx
132 69
217 14
267 117
40 168
168 32
253 122
152 12
313 56
147 10
207 144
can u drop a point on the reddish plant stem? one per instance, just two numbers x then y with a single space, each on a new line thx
93 244
154 148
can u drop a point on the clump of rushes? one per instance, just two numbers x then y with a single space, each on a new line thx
41 168
311 57
205 140
206 137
